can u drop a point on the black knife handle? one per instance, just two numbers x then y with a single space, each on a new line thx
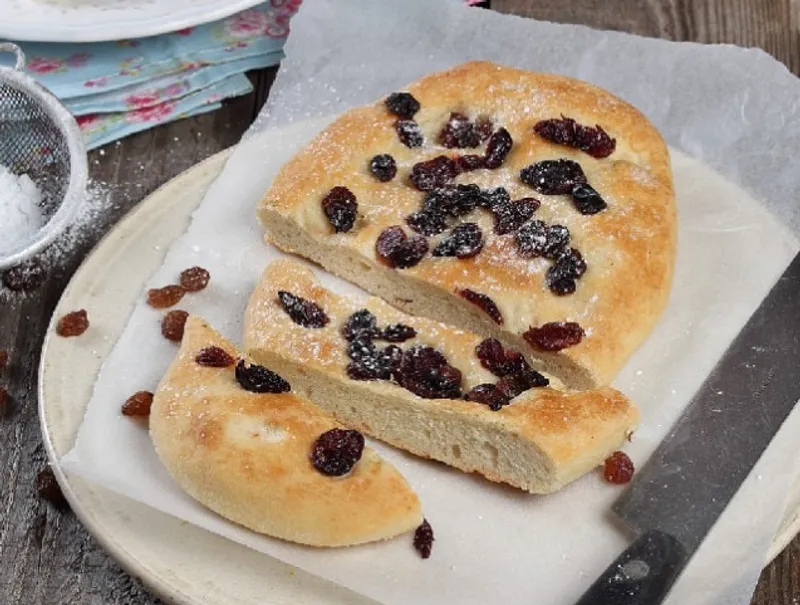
642 575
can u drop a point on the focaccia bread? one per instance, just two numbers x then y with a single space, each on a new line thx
570 216
433 390
259 458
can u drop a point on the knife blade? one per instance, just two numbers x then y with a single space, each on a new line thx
679 494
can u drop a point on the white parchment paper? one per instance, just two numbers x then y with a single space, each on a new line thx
736 110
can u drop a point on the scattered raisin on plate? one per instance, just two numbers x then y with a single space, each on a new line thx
618 468
73 324
194 279
423 539
383 167
409 133
138 404
398 250
555 335
566 131
214 357
161 298
483 302
553 177
25 277
402 104
173 324
337 451
341 209
258 379
303 312
48 488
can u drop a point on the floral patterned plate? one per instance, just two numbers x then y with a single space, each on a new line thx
102 20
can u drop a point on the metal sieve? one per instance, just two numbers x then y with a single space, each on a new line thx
40 138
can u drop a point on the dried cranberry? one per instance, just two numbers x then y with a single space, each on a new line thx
409 133
3 358
173 324
73 324
487 394
459 132
402 104
484 303
161 298
337 451
194 279
555 335
453 200
214 357
427 222
425 372
497 148
138 404
397 333
423 539
587 200
469 162
383 167
24 278
360 322
566 131
483 128
258 379
434 173
303 312
618 468
340 208
398 250
499 360
553 177
48 488
510 216
465 241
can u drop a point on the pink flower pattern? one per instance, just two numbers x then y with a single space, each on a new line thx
156 113
247 24
142 99
44 65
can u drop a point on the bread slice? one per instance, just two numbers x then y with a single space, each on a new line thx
246 456
629 247
541 441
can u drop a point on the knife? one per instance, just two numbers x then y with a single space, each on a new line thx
678 495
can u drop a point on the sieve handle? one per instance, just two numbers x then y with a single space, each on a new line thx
13 48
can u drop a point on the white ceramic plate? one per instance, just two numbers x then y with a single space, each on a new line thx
100 20
181 562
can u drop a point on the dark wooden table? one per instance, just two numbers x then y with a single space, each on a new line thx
46 557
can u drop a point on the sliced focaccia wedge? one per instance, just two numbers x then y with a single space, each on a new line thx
433 390
238 442
495 200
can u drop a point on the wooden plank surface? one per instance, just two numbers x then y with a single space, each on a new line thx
46 557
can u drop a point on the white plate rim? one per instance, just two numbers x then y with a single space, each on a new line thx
117 24
72 487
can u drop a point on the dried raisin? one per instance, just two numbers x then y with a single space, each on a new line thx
553 177
397 333
161 298
433 173
398 250
423 539
483 302
497 148
566 131
510 216
454 201
409 133
340 208
194 279
459 132
138 404
258 379
537 239
24 278
618 468
483 128
568 267
499 360
555 335
383 167
469 162
487 394
214 357
337 451
48 488
427 222
173 324
465 241
73 324
425 372
360 322
587 200
402 104
303 312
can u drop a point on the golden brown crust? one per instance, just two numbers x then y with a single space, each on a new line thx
246 456
630 247
572 431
